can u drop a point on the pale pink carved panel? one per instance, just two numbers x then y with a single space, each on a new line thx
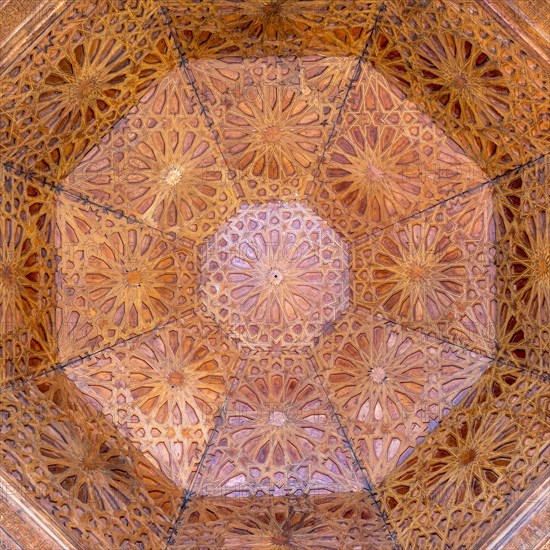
278 436
275 275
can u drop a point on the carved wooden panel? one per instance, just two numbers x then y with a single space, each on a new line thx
278 436
453 60
74 466
164 390
522 204
27 265
275 275
474 466
434 272
250 28
115 278
272 118
388 160
160 164
315 522
391 386
78 79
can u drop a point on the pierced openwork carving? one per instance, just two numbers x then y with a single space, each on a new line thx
115 279
275 275
27 333
249 28
453 61
522 204
315 522
434 272
278 436
387 161
160 164
78 79
163 390
474 466
81 472
391 386
272 117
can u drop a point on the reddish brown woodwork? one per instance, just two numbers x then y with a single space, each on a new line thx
387 161
160 164
434 272
479 461
391 386
272 117
522 203
78 79
115 279
275 275
488 92
81 472
317 522
256 29
257 288
27 265
164 390
279 436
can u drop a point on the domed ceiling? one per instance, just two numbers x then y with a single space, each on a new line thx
274 275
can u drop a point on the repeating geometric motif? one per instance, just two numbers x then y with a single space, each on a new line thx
453 60
388 161
115 279
163 391
276 275
278 436
434 272
345 521
78 79
522 204
272 118
81 472
160 164
27 266
391 386
475 466
249 28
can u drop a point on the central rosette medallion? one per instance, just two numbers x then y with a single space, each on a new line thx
275 275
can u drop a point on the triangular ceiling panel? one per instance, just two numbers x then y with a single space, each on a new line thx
391 386
115 279
160 164
434 272
279 436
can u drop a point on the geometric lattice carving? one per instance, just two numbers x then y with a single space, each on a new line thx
249 28
163 391
275 275
160 164
27 341
388 161
522 205
272 118
92 482
278 436
391 386
434 272
453 61
476 465
115 279
80 77
312 523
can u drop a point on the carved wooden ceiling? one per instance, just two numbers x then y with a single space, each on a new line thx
274 274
